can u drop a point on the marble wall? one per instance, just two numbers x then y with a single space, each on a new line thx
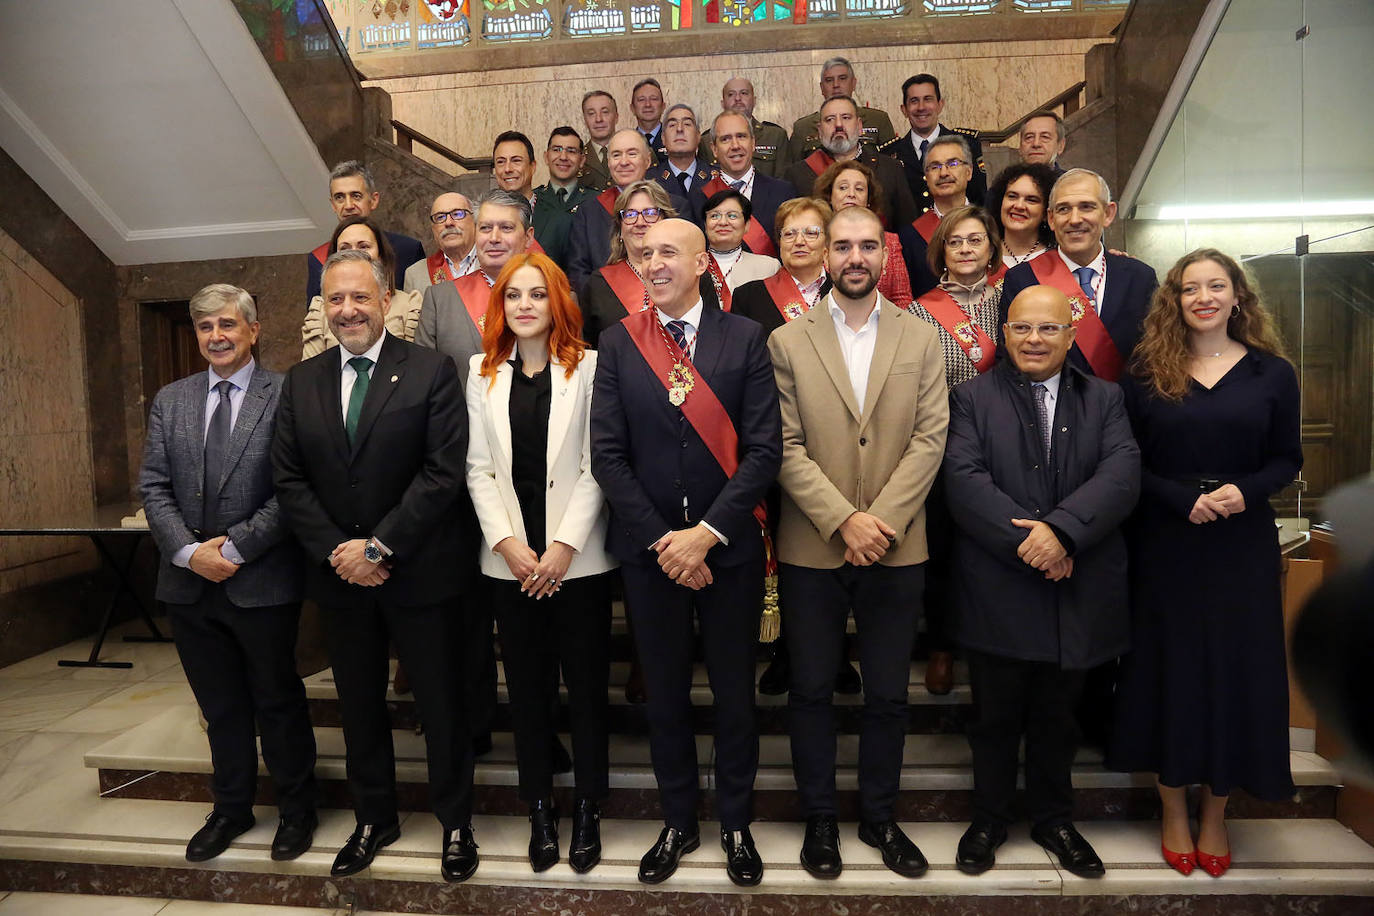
986 85
45 448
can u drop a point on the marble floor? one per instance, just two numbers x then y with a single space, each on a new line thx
53 718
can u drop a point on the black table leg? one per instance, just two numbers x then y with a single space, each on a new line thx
121 567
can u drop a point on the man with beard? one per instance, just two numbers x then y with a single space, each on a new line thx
450 217
556 202
841 129
837 81
862 388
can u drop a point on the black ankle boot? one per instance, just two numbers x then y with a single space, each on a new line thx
543 835
585 850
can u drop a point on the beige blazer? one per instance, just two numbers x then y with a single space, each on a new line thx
574 509
835 460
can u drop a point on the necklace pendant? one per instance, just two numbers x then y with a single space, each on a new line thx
975 353
676 396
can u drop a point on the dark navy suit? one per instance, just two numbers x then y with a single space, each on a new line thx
589 246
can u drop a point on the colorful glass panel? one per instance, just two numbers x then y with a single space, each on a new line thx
1042 6
749 12
875 9
443 24
959 7
516 20
591 18
383 25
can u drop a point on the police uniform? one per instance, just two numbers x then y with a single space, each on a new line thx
902 149
806 134
553 220
594 175
696 198
770 149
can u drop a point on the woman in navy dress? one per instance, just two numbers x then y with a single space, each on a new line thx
1203 696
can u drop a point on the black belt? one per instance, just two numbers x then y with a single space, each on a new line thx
1201 484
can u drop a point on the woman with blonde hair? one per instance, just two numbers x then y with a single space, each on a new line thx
543 522
1203 696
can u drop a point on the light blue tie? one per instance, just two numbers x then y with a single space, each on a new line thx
1086 276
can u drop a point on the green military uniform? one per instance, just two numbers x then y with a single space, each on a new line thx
553 220
806 136
594 174
770 148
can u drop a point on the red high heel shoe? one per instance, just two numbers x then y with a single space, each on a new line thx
1182 862
1214 865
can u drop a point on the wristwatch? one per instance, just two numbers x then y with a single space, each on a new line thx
372 553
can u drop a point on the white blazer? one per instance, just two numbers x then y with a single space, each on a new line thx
574 510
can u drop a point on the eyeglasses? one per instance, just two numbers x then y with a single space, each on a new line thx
955 242
565 150
1047 331
811 233
650 214
950 164
456 215
716 216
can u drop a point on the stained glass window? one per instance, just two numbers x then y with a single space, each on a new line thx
516 20
587 18
443 24
875 9
1042 6
384 25
748 12
959 7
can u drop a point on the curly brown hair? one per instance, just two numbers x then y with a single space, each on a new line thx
825 185
1162 356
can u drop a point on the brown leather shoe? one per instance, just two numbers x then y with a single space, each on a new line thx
940 673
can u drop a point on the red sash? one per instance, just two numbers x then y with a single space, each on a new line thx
966 334
786 296
819 161
755 236
998 272
627 286
436 265
926 224
534 247
701 408
718 280
321 254
607 199
476 296
1093 340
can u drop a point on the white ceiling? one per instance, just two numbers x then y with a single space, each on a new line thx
159 128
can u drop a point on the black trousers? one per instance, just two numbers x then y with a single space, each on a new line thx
425 641
571 630
477 642
1014 698
887 608
241 664
939 586
727 613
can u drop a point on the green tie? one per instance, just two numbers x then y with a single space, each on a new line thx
361 365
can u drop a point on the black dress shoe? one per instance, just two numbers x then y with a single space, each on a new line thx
481 744
899 853
584 852
295 833
460 854
1075 853
773 681
743 863
562 763
212 839
978 847
543 836
362 848
820 852
661 860
847 680
635 693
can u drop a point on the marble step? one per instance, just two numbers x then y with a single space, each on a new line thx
57 839
167 757
928 713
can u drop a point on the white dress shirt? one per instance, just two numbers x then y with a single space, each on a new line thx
465 266
348 375
690 172
747 189
1098 264
238 383
856 346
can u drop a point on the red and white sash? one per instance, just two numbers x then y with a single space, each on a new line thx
627 286
1093 340
926 224
787 297
436 265
755 236
819 161
607 199
718 280
476 296
967 334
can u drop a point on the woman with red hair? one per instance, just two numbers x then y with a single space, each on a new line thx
543 522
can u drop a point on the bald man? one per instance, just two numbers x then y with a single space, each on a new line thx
1040 471
628 158
770 139
686 439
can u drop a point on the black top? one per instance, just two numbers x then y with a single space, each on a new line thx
529 435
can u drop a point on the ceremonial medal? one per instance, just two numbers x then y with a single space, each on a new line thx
482 324
438 276
1076 308
975 354
680 383
794 310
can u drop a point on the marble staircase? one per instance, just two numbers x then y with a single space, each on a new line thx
116 821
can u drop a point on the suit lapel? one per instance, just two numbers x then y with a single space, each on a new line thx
386 375
198 394
499 394
250 412
327 386
821 329
710 340
564 396
889 330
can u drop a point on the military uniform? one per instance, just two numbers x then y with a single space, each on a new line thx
594 175
806 135
696 198
901 210
902 149
770 149
553 220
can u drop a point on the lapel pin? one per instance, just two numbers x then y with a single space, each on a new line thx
395 377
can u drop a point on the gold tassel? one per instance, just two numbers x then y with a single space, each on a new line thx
770 624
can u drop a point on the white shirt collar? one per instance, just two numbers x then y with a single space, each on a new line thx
917 138
239 379
747 178
690 170
838 313
1098 263
691 318
1051 385
555 186
727 259
373 352
465 266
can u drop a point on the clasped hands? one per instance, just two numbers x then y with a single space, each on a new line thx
356 569
1041 550
682 556
539 577
208 563
1223 502
866 538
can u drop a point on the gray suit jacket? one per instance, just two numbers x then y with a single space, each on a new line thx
170 483
446 326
